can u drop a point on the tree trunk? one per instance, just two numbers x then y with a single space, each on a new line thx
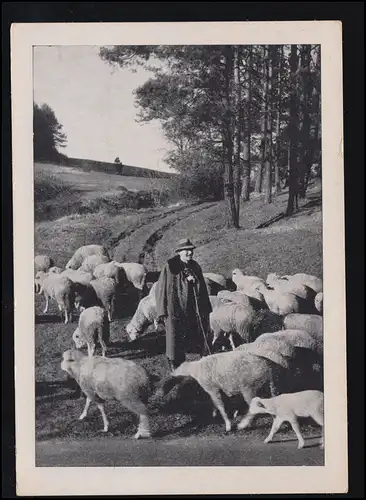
239 129
245 193
259 179
293 133
232 213
278 124
268 136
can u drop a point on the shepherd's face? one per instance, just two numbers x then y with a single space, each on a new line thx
186 255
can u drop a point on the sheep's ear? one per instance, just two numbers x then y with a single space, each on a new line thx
260 404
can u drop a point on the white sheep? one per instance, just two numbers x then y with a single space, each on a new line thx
83 252
234 373
55 269
111 379
306 279
242 281
215 301
279 302
291 286
78 276
312 323
93 326
58 287
236 297
288 407
100 291
144 316
42 263
92 261
214 282
110 270
135 273
318 302
231 318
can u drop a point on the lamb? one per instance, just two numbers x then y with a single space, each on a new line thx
145 315
135 273
42 263
93 326
92 261
288 407
83 252
318 302
58 287
100 292
311 323
306 279
232 318
279 302
111 378
233 373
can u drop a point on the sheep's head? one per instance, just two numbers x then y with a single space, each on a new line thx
257 406
272 278
70 360
236 275
132 332
78 340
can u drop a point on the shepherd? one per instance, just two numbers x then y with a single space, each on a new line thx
183 305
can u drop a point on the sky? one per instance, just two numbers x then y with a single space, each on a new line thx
95 105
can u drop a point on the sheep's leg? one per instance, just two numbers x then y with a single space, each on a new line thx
87 404
295 425
217 401
277 422
246 421
104 417
232 341
109 312
66 317
319 419
46 306
143 430
91 350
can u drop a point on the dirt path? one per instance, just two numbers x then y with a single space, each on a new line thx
138 244
231 450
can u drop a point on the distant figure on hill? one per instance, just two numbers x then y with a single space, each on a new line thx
180 290
119 166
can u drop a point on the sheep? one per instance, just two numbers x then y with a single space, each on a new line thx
111 378
291 286
242 281
233 373
136 273
55 269
215 301
231 318
110 270
42 263
78 276
83 252
93 326
92 261
306 279
279 302
318 302
311 323
287 407
298 351
57 287
145 315
101 291
241 298
214 282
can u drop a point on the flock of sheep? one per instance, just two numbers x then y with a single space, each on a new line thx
92 283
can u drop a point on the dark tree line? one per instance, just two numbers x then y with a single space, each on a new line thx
48 135
239 118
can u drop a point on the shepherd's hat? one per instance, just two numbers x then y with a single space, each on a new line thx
185 244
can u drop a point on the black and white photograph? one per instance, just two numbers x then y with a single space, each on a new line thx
183 257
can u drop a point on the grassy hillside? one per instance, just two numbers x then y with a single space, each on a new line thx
149 235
